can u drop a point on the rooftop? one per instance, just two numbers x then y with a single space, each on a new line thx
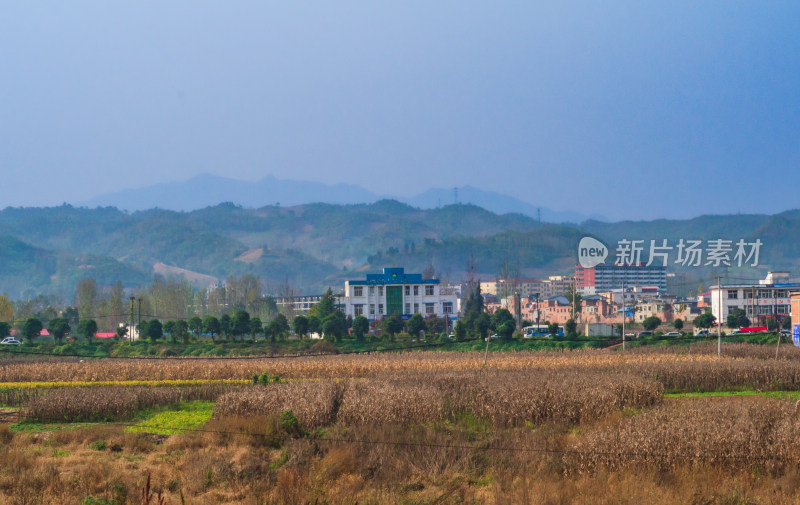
393 276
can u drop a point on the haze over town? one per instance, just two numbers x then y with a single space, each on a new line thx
625 110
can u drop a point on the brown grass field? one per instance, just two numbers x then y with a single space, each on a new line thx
424 427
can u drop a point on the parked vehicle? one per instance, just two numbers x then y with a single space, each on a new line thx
10 341
673 334
540 330
644 334
702 333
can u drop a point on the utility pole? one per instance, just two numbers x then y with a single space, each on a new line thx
779 324
486 354
140 313
130 327
573 299
623 314
719 323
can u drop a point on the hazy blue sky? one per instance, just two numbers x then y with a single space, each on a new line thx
627 109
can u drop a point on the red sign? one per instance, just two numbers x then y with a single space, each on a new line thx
753 329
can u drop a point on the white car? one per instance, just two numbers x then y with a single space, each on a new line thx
10 341
673 334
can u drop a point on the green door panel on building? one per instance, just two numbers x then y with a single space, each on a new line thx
394 300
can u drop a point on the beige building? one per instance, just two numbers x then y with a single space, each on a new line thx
502 288
556 285
657 308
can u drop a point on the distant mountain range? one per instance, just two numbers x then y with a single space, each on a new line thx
207 190
313 246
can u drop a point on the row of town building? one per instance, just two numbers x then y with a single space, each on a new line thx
603 299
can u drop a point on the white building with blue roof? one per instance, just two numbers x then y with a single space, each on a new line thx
396 292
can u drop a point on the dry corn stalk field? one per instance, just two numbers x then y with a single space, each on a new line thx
506 398
678 369
425 427
350 366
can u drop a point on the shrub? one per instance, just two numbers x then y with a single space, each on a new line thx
6 435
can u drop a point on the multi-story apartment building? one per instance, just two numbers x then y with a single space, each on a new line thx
603 278
396 292
301 304
556 285
502 288
770 297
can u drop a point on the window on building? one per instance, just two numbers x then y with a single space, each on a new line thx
358 309
447 307
428 290
371 309
429 308
380 309
782 309
408 290
408 308
416 290
371 290
380 290
358 291
733 294
781 293
764 293
416 308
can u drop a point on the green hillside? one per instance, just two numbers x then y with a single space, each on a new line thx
319 245
28 270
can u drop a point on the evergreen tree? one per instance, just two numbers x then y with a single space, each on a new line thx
211 326
87 328
325 307
300 325
360 328
31 329
58 327
416 325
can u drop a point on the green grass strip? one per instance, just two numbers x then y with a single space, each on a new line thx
185 417
791 396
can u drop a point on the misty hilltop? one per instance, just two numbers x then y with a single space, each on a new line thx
314 246
208 190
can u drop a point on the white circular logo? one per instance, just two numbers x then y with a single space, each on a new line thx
591 252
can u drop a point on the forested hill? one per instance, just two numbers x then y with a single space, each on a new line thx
47 250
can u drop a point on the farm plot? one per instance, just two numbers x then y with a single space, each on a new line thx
417 427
